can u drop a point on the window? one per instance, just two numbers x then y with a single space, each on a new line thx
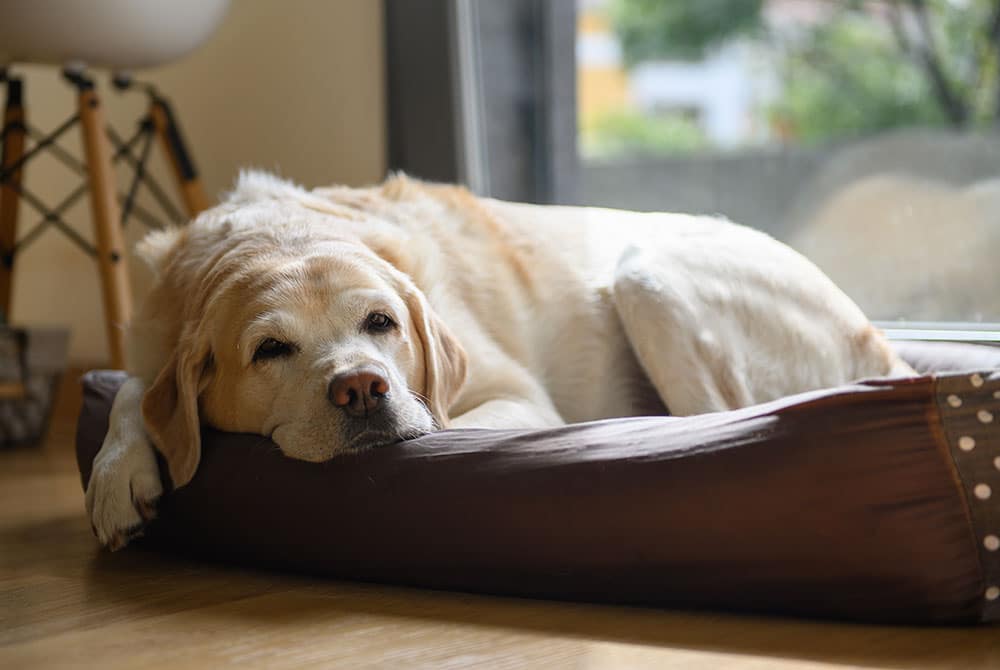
865 133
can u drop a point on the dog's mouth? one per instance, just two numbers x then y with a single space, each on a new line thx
374 437
371 439
389 426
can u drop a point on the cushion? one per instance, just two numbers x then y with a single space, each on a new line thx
875 501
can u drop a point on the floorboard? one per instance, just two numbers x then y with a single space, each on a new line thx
66 603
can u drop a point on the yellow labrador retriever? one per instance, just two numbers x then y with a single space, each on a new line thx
339 319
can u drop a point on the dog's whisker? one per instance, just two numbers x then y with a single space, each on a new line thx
421 398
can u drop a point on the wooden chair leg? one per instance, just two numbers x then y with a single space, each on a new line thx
172 141
13 150
107 223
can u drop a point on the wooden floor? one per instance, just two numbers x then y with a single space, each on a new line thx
65 603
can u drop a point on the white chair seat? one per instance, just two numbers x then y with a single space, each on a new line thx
117 34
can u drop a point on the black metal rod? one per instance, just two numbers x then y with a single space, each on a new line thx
143 214
161 197
78 239
140 170
65 157
32 235
15 95
124 147
185 164
53 218
9 128
41 226
154 187
38 148
123 150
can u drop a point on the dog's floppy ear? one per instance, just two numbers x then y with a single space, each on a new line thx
445 361
156 246
170 407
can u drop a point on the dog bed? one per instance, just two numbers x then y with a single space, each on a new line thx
877 501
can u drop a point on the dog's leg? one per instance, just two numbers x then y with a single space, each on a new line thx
509 413
512 398
738 320
125 481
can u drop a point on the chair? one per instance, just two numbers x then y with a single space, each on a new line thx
120 35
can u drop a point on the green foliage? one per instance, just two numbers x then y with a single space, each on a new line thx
856 72
679 29
969 52
625 133
848 79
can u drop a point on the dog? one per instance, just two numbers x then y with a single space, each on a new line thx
339 319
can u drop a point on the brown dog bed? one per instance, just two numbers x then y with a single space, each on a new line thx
877 501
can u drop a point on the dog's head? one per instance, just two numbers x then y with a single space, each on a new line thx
280 320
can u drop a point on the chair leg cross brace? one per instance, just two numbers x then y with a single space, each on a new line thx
111 209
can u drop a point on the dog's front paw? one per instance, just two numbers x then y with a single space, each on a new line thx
123 490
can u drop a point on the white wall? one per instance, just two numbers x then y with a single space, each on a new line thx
294 86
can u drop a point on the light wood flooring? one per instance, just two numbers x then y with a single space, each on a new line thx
65 603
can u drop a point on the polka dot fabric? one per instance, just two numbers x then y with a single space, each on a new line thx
969 405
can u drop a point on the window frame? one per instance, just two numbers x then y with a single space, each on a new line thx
438 126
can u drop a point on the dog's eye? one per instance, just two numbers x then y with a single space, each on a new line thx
378 322
272 348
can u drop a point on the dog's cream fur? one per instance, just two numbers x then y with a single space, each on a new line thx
508 315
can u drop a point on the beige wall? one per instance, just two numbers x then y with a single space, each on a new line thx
294 86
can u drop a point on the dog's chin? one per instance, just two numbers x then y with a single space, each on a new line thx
382 431
359 441
372 439
317 443
396 423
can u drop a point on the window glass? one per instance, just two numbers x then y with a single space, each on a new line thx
864 134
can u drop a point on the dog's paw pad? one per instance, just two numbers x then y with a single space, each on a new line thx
122 496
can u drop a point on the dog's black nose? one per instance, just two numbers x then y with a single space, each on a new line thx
358 392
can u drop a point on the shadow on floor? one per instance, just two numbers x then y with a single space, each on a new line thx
154 584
